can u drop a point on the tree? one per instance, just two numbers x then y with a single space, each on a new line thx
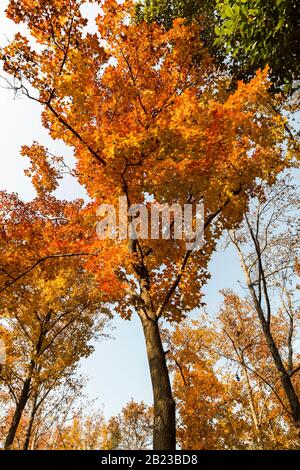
253 34
207 402
166 12
52 311
260 33
78 430
268 245
45 415
134 425
84 432
225 384
242 343
111 435
145 120
49 410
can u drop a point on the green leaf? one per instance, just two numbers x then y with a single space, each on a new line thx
228 11
280 23
218 30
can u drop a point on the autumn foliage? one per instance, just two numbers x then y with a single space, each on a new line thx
150 117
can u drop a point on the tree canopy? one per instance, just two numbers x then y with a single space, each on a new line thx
248 34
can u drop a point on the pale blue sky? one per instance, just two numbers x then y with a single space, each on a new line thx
118 369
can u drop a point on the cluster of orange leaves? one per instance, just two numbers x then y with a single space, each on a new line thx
146 113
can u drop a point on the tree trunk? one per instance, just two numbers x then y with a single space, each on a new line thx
30 424
265 322
18 413
285 378
164 431
25 393
253 412
284 375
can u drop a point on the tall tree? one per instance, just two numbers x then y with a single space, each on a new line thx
146 120
268 245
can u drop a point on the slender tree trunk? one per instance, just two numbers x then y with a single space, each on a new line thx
284 375
25 393
285 378
265 322
164 426
164 431
254 416
18 413
30 424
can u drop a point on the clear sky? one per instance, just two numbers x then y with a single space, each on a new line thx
118 369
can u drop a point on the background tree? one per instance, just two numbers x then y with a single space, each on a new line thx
81 432
50 410
242 343
207 402
226 385
260 33
88 430
135 426
111 435
39 425
252 33
52 312
268 245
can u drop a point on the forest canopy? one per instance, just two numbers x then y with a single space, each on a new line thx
188 111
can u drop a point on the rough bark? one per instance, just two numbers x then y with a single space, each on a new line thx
164 430
164 426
